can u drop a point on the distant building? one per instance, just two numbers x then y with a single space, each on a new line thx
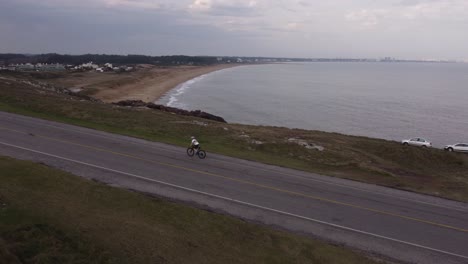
50 67
37 67
25 67
387 59
90 65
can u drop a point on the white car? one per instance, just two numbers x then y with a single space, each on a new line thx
419 142
460 147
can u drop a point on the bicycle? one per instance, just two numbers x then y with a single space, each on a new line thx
201 153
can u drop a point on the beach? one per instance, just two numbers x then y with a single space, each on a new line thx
147 83
153 82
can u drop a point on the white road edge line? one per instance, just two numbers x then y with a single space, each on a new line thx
240 202
456 208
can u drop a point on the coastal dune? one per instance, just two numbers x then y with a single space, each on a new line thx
150 83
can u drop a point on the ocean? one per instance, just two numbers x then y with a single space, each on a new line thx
381 100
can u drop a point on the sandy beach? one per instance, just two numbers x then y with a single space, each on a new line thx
148 83
151 83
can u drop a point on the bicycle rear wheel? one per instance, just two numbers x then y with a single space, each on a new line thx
201 154
190 152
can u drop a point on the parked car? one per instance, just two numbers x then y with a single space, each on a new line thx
419 142
460 147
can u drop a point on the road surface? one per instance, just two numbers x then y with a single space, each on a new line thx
390 223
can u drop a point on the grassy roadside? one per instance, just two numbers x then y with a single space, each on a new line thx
49 216
377 161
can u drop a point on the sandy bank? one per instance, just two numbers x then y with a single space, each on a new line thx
152 83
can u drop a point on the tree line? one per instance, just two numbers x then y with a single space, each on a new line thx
11 58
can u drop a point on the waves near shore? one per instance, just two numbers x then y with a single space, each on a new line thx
173 100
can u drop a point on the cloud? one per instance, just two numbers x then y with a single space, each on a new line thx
201 5
360 27
414 12
239 8
146 4
367 19
437 10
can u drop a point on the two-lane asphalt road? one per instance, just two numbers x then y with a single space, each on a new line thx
392 223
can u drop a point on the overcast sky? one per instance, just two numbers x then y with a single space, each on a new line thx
406 29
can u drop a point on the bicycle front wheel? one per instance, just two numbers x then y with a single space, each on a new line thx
190 152
201 154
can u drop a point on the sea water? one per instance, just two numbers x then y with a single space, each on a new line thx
382 100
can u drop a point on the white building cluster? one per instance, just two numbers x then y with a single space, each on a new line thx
107 67
89 66
34 67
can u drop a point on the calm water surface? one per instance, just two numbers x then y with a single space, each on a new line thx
382 100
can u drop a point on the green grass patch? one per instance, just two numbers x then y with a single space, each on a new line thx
377 161
49 216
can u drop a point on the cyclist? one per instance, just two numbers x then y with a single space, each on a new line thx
194 144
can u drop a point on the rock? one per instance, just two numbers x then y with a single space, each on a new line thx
75 90
197 113
209 116
199 123
132 103
306 144
313 146
82 96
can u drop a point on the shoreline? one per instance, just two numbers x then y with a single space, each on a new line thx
156 82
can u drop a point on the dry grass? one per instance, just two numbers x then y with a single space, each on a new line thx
48 216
